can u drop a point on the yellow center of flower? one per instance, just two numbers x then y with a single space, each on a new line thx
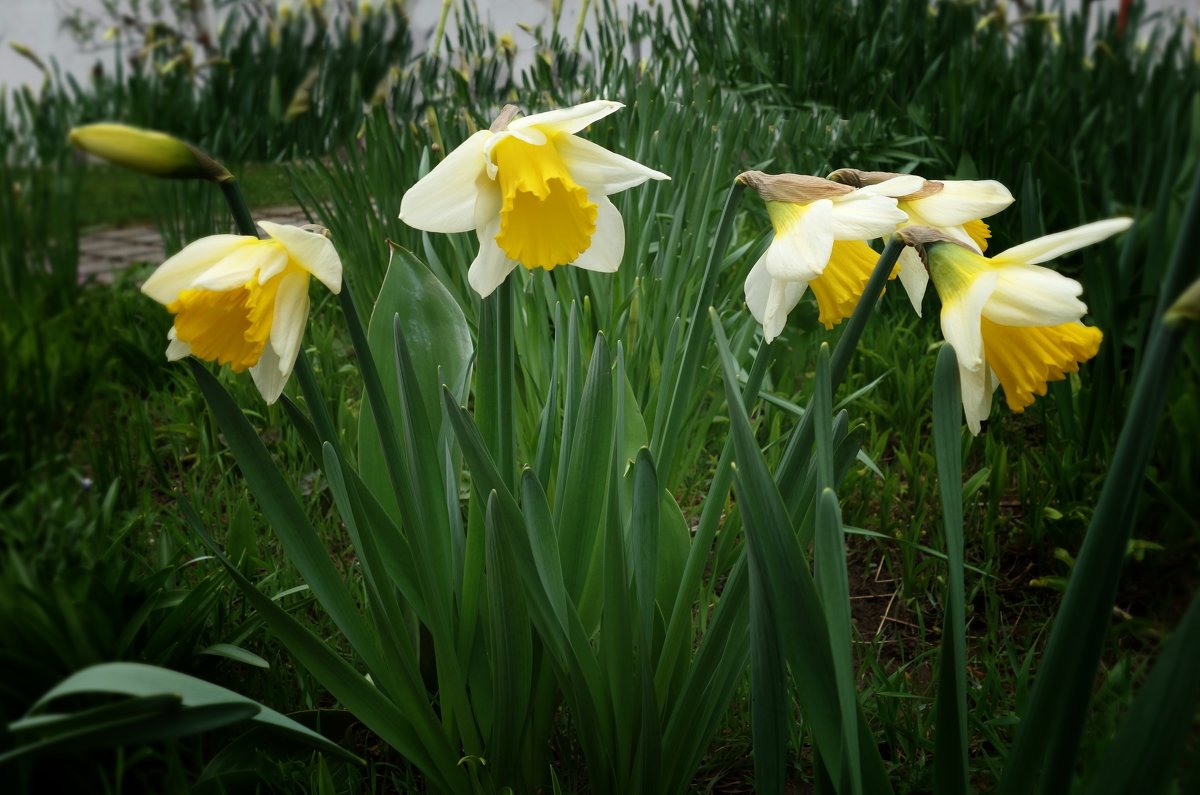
1026 358
546 219
229 326
839 287
978 231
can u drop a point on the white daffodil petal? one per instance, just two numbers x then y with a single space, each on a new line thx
491 265
864 216
315 253
567 120
180 272
444 199
600 171
758 285
291 313
242 265
803 242
896 186
1047 248
914 277
274 267
960 201
976 387
267 376
530 135
608 241
782 297
962 314
176 348
1031 295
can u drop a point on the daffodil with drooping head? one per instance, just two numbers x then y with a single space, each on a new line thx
1012 322
955 207
534 192
243 301
820 228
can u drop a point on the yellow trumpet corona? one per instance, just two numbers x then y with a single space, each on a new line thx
535 193
1012 323
243 301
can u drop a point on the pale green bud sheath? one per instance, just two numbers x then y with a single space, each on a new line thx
160 155
1186 307
153 153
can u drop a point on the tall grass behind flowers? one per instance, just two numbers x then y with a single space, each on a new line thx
265 85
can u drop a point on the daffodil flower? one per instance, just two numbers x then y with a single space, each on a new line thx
1012 322
534 192
819 228
243 301
954 207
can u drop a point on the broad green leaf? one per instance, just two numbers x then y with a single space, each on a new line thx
438 339
674 543
134 721
236 653
142 681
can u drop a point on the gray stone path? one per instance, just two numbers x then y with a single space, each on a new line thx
102 254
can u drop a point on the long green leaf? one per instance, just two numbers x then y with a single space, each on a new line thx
282 510
950 757
834 587
644 531
770 707
683 390
774 550
580 507
1152 734
409 725
511 650
1048 737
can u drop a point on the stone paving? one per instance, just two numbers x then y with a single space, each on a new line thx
102 254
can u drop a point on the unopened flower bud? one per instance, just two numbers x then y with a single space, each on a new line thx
1186 306
149 152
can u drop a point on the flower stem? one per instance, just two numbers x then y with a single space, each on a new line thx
237 206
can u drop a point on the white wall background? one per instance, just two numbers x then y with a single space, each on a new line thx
36 24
